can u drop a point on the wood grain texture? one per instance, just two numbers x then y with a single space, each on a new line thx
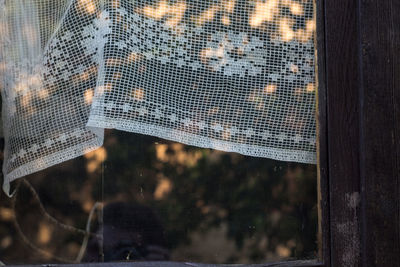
342 84
322 133
380 129
362 50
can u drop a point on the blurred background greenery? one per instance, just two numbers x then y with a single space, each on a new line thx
215 207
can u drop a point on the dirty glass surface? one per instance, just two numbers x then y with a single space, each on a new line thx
147 199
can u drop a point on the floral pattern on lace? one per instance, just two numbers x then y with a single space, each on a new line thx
47 98
48 143
232 53
165 77
243 88
184 123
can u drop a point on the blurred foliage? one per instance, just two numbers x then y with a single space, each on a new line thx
267 207
257 198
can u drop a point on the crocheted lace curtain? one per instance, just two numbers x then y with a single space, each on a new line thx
233 75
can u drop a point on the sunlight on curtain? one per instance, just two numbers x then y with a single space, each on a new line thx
234 75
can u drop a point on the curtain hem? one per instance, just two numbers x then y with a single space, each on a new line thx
201 141
49 160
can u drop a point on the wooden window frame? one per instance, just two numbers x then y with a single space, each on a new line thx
359 131
358 67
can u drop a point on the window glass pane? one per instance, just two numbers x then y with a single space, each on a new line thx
141 198
45 221
153 199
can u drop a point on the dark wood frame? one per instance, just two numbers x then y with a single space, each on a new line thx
358 44
359 120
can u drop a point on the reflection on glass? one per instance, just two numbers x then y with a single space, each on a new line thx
146 199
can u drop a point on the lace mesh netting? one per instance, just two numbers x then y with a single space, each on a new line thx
234 75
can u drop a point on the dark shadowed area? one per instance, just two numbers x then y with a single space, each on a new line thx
150 199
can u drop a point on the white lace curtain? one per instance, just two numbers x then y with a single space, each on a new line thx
234 75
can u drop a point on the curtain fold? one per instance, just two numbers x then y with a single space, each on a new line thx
234 75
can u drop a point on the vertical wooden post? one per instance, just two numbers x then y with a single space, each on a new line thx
322 145
362 82
342 86
380 131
